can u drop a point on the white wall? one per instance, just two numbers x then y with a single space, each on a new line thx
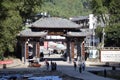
110 56
92 21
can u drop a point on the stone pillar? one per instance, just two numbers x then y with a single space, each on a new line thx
34 50
78 51
38 51
72 50
68 51
23 52
27 49
83 50
79 55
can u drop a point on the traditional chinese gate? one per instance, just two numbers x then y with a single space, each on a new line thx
51 26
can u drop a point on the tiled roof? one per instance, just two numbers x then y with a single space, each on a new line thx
78 34
54 22
29 33
79 18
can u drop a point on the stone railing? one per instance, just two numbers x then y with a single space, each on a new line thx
111 48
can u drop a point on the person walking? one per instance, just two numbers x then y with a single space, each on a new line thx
55 66
41 56
52 65
80 67
47 64
83 66
105 73
75 65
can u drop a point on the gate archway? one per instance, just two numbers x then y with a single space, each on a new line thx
38 31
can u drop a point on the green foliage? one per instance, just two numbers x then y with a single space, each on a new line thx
65 8
27 7
99 9
112 35
99 33
114 10
109 11
13 14
109 7
10 25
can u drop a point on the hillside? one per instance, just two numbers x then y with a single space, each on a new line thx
66 8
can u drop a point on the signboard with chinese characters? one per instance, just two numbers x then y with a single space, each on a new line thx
110 56
56 33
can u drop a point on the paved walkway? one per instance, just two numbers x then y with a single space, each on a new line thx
85 75
67 68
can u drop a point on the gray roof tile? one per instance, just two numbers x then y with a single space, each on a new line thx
29 33
78 34
54 22
79 18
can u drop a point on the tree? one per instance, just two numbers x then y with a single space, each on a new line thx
99 33
114 11
107 7
99 9
113 30
65 8
109 11
113 35
12 17
27 8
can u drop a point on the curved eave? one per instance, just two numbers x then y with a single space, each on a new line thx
79 18
29 33
77 34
